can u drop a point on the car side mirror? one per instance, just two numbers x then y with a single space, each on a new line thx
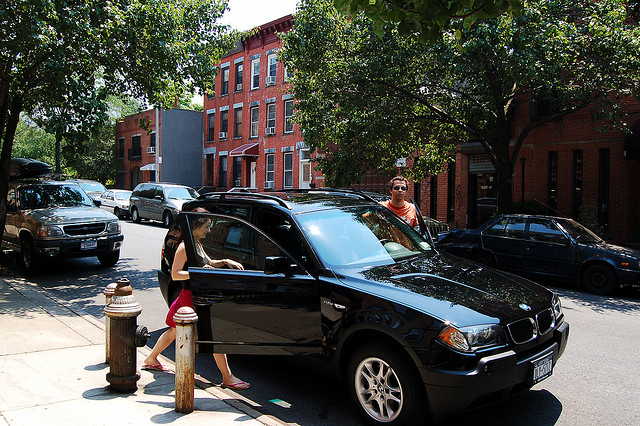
277 265
98 203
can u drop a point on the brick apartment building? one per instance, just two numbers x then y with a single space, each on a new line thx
250 139
567 163
175 156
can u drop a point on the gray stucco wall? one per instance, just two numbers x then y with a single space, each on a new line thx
181 147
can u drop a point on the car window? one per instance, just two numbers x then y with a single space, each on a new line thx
229 238
123 196
579 232
361 236
43 196
181 193
515 227
545 230
283 231
497 230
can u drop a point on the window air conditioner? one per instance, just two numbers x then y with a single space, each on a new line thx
270 131
222 135
268 185
271 81
151 150
238 87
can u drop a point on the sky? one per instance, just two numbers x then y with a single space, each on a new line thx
246 14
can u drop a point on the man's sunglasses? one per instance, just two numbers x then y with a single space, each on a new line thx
399 188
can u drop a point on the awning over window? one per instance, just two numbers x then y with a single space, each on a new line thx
246 150
150 166
632 143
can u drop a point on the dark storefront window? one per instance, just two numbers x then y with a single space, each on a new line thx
552 182
237 171
451 192
603 187
223 171
577 183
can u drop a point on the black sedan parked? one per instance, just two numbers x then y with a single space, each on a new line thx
414 333
547 246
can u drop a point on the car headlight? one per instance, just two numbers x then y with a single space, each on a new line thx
557 306
113 227
469 339
50 231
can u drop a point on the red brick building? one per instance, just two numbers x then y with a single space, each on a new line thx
250 139
567 163
168 148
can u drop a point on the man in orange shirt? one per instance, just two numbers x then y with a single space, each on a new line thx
398 187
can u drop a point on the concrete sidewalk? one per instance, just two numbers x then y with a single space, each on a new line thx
53 371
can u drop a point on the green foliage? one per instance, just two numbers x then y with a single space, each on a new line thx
367 97
33 142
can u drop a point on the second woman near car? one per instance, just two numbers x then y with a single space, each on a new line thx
179 272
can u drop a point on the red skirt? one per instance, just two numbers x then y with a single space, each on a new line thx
184 299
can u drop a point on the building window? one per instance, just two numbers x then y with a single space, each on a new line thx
577 183
451 192
237 123
270 175
271 71
271 119
136 147
224 123
552 181
288 116
152 141
120 147
223 171
305 167
288 170
255 74
224 89
255 121
288 73
239 77
212 128
433 197
237 171
209 169
603 187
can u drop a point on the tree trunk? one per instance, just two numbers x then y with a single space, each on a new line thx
58 143
8 134
504 172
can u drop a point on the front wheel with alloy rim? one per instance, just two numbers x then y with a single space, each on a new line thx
28 256
385 387
599 279
135 216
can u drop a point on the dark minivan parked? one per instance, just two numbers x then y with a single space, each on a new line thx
547 246
414 333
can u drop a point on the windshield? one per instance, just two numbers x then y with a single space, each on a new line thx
93 186
180 193
44 196
361 236
578 232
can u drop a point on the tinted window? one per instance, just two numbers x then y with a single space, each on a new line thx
497 229
545 230
515 227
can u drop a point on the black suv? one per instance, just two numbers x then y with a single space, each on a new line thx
415 333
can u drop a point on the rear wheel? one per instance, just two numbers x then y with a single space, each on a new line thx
385 387
28 255
599 279
167 219
109 259
135 216
117 212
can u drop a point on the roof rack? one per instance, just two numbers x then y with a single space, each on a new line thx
225 195
349 192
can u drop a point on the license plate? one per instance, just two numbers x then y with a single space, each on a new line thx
542 368
89 245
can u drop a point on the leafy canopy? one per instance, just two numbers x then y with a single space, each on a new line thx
367 100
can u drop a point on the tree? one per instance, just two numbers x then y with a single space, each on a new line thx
64 57
365 97
427 18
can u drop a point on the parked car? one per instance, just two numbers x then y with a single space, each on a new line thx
547 246
340 278
91 187
52 219
159 201
116 201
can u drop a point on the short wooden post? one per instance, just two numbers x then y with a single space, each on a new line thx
185 320
108 293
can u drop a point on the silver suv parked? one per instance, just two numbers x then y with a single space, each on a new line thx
159 201
51 219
